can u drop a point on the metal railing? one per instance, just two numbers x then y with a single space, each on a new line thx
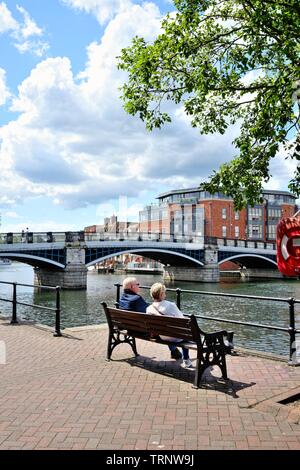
123 236
291 301
15 302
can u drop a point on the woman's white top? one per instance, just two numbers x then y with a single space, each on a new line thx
167 308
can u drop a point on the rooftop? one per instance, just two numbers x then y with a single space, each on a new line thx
198 189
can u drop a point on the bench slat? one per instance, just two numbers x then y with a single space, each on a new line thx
153 324
180 333
129 325
115 313
172 331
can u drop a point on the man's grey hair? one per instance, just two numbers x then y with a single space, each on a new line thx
128 282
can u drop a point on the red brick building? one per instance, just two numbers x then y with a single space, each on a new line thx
196 213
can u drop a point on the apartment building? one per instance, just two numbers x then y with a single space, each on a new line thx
194 212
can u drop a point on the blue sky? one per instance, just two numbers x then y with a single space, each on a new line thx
69 154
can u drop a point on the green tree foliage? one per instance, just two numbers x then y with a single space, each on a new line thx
226 61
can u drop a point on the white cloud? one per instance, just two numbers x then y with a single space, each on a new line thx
29 27
24 33
4 91
7 22
40 226
38 48
124 208
281 170
72 140
12 215
104 10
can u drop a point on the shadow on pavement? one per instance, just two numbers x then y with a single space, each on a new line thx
174 370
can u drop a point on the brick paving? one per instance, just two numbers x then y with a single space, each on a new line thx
60 393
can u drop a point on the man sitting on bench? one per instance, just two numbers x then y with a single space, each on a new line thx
132 300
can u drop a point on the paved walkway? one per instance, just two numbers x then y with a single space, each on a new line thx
60 393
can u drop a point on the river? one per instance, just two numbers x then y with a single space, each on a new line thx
84 307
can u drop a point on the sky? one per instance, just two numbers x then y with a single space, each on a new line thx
69 154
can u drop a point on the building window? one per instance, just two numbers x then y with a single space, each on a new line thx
274 214
236 232
224 213
272 229
144 216
155 214
236 215
224 231
255 213
255 231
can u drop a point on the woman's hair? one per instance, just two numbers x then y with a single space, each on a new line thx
156 290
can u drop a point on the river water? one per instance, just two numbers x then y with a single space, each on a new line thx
84 307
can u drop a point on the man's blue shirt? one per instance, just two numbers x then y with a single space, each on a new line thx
131 301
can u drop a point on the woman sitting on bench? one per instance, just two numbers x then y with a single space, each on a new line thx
161 306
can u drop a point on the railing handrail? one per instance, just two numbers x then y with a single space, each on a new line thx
223 294
291 329
238 322
28 285
16 302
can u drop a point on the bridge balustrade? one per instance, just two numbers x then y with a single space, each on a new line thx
251 244
141 236
81 236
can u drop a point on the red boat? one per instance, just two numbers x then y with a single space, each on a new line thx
288 246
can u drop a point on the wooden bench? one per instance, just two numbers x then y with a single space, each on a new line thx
125 326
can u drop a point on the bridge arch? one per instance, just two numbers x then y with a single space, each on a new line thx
163 256
32 260
251 261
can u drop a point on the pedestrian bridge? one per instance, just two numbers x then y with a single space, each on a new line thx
183 257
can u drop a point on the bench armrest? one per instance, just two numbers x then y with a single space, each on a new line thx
215 333
223 337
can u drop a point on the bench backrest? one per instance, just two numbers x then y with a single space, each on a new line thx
153 325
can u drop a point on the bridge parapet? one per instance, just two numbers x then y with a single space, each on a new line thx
252 244
144 243
30 237
80 238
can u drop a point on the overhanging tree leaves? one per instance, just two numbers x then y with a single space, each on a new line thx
227 61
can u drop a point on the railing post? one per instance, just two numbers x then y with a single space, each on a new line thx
178 297
118 286
292 360
57 313
14 319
